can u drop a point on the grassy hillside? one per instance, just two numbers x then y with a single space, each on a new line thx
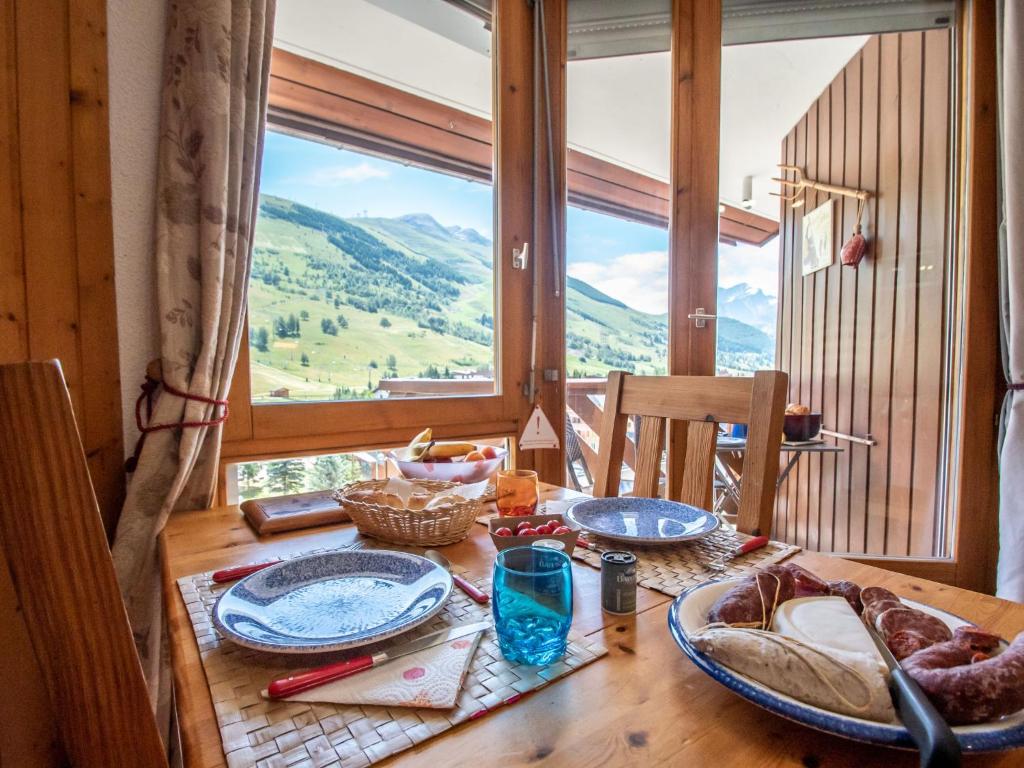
336 304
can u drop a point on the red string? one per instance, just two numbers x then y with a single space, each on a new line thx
149 388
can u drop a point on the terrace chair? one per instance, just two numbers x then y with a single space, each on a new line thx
70 632
694 406
574 456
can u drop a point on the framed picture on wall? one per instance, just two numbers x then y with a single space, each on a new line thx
817 239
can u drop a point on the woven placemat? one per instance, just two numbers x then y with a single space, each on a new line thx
672 568
262 733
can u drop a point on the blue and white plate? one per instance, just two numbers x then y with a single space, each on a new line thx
332 601
642 521
689 613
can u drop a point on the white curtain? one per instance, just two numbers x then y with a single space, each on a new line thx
216 72
1010 578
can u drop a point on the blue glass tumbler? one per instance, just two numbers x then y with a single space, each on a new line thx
532 603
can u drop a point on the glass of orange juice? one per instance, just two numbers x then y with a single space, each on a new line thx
517 491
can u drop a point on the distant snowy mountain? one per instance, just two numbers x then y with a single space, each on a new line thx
749 305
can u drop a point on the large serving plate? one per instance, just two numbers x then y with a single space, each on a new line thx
332 601
642 521
689 613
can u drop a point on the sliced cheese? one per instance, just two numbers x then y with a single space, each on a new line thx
827 621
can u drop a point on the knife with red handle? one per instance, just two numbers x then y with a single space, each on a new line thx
230 574
745 548
293 684
470 589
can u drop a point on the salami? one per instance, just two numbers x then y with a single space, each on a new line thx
849 591
907 630
870 595
752 603
873 610
966 692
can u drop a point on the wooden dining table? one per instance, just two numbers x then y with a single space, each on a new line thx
644 704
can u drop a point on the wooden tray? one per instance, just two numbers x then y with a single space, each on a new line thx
276 514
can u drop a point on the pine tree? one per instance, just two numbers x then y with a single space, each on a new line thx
391 363
342 321
294 329
262 340
281 327
304 360
287 476
385 323
304 314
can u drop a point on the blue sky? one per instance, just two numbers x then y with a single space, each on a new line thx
626 260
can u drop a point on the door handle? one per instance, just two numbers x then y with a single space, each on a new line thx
700 317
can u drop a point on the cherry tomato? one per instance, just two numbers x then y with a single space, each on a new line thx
562 530
544 530
529 532
503 532
522 525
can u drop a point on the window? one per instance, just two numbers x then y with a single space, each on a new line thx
358 290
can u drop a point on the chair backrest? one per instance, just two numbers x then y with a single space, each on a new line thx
59 562
691 407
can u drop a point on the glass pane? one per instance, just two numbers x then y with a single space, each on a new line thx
280 477
373 261
616 239
865 342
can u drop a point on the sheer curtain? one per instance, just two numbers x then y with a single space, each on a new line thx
217 63
1010 577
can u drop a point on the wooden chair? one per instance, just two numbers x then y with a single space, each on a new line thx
701 402
59 564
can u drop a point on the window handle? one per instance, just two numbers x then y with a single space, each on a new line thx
700 318
520 256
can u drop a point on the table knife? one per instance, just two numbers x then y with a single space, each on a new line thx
230 574
929 730
289 686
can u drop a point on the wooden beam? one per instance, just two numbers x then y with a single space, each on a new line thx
976 505
356 111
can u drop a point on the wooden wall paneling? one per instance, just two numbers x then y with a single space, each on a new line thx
48 225
792 275
808 478
57 293
904 338
932 233
784 323
833 337
693 225
867 273
885 289
797 391
94 240
13 320
847 308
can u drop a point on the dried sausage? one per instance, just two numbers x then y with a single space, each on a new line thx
966 692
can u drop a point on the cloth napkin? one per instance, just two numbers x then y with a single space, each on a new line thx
429 678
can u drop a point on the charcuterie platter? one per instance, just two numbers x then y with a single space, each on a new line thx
799 647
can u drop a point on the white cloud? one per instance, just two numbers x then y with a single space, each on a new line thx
639 280
758 267
344 174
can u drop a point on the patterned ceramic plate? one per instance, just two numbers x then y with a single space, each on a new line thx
689 612
332 600
642 521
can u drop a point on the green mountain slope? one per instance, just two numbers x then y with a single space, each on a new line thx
337 304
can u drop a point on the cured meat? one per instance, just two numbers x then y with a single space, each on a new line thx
907 630
807 584
966 692
873 610
849 591
870 595
752 603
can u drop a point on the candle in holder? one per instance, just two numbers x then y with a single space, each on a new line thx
517 492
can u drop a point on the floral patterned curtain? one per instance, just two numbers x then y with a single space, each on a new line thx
217 64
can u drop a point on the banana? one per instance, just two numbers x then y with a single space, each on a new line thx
418 452
450 450
422 437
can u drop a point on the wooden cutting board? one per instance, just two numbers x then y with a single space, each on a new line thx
275 514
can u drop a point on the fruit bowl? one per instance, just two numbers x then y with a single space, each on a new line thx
799 428
451 472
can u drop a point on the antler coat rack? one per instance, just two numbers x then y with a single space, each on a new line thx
854 248
801 183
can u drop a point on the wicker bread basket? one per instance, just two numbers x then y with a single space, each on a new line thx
445 524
